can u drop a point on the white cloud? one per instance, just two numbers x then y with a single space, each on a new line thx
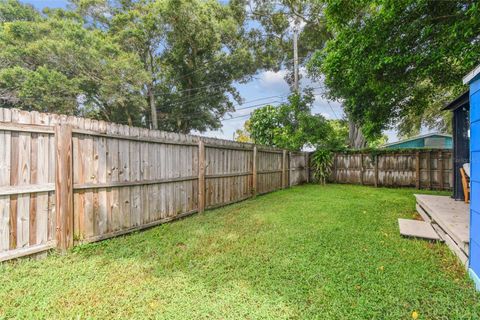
274 80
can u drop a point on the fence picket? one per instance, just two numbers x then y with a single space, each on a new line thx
121 178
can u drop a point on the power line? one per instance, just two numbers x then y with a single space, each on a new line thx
331 108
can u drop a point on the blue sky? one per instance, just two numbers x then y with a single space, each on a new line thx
265 84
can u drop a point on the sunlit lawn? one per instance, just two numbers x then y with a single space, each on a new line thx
309 252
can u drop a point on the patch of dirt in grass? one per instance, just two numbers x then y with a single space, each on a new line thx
449 262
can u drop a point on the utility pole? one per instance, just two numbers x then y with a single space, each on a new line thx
295 55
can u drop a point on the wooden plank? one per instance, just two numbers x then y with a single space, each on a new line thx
290 183
22 252
201 176
23 178
429 169
254 171
135 191
227 147
145 174
64 186
42 177
376 170
24 127
124 176
307 166
33 197
78 143
417 164
260 149
284 169
51 120
269 171
417 229
362 170
138 228
27 189
102 178
134 137
5 142
87 156
162 174
440 169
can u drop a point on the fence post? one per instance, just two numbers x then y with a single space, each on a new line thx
64 186
440 169
307 166
376 170
201 176
284 169
429 169
289 169
418 170
335 167
254 172
361 168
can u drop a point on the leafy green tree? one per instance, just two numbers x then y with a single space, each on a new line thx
243 135
193 52
292 126
396 62
51 63
275 31
12 10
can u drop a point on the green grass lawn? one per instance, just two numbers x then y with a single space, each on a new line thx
309 252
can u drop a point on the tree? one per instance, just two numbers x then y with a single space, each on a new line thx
51 63
292 126
193 51
243 135
395 63
277 19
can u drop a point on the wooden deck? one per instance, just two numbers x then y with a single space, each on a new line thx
451 220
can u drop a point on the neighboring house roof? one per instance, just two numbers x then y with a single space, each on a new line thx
423 136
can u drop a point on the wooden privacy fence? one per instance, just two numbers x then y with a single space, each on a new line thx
421 169
68 180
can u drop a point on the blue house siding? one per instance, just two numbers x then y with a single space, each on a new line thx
449 143
474 264
419 143
425 141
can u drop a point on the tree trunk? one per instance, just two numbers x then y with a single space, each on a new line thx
356 139
151 102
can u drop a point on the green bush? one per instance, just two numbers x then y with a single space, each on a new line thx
321 164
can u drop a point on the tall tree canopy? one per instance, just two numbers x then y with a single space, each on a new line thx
396 62
51 63
193 52
129 61
292 126
276 21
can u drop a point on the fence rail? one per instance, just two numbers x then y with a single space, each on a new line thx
422 169
69 180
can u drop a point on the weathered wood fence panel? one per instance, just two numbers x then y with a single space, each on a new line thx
269 170
422 169
27 173
298 167
115 179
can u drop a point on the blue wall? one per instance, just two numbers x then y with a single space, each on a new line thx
417 143
474 265
420 143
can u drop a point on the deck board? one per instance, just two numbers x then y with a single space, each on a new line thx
452 216
417 229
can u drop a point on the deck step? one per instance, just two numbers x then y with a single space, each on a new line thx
423 214
417 229
452 216
462 256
